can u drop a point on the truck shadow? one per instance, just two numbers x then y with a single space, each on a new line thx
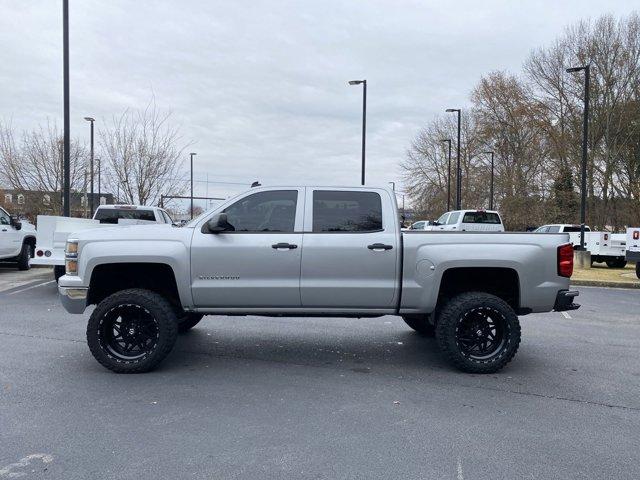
362 349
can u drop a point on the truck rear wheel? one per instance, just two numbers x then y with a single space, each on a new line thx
188 320
617 263
478 332
24 259
421 324
58 271
132 331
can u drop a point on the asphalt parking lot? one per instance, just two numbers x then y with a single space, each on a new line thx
251 397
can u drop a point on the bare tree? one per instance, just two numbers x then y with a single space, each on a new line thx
144 152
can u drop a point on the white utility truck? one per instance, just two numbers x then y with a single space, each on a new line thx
633 247
17 240
605 247
53 231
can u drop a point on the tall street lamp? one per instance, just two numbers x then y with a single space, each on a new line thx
192 155
364 119
99 172
585 134
458 169
448 140
91 121
491 183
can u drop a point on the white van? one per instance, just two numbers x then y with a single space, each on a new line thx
470 221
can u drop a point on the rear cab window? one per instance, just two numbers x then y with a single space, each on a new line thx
490 218
112 215
346 211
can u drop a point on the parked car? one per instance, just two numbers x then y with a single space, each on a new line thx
53 230
17 240
311 251
605 247
425 225
470 221
633 247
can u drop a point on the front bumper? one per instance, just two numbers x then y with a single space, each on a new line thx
564 300
73 299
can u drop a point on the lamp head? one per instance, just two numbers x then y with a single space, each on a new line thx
90 119
449 110
355 82
575 69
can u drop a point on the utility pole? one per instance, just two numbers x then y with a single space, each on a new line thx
458 168
448 140
364 121
585 138
91 174
66 196
191 209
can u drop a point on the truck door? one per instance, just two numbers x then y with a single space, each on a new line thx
350 250
8 235
258 263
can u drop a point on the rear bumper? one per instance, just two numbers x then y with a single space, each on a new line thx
564 300
73 299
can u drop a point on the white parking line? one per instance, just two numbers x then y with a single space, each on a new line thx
29 288
566 315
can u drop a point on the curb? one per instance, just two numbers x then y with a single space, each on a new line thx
597 283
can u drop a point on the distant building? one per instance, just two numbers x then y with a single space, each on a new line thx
31 203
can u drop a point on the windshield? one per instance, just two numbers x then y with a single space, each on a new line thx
112 215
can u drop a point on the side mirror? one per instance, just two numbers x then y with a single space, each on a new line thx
217 224
15 223
436 224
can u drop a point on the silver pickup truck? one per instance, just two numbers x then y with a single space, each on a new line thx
311 251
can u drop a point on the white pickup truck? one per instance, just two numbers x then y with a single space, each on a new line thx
469 221
53 230
311 251
17 240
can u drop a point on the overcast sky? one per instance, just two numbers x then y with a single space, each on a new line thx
260 88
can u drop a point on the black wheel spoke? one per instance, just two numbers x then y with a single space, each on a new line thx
128 332
480 333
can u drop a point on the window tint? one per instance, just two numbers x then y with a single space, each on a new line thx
111 215
453 218
4 217
553 229
335 211
417 226
264 212
573 229
481 217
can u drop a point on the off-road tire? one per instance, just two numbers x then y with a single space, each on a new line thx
616 263
188 320
58 271
151 303
450 319
421 324
24 259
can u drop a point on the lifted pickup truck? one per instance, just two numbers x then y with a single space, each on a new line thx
311 251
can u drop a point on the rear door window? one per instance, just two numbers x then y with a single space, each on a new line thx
481 217
553 229
341 211
112 215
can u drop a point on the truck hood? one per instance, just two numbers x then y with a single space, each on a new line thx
133 232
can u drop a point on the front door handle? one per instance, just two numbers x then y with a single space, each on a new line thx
379 246
282 245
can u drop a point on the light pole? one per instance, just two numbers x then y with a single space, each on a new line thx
66 195
585 135
192 155
99 172
91 120
448 140
364 119
458 169
491 183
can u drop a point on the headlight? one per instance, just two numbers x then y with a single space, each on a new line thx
71 249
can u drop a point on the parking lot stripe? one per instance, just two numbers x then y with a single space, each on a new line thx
566 315
29 288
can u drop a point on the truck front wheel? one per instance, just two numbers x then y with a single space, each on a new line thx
478 332
132 331
617 263
24 259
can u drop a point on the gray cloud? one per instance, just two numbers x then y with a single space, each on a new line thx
260 87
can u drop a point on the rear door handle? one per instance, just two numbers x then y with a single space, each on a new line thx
282 245
379 246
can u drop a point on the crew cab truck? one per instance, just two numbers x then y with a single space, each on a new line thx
17 240
311 251
470 221
54 230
